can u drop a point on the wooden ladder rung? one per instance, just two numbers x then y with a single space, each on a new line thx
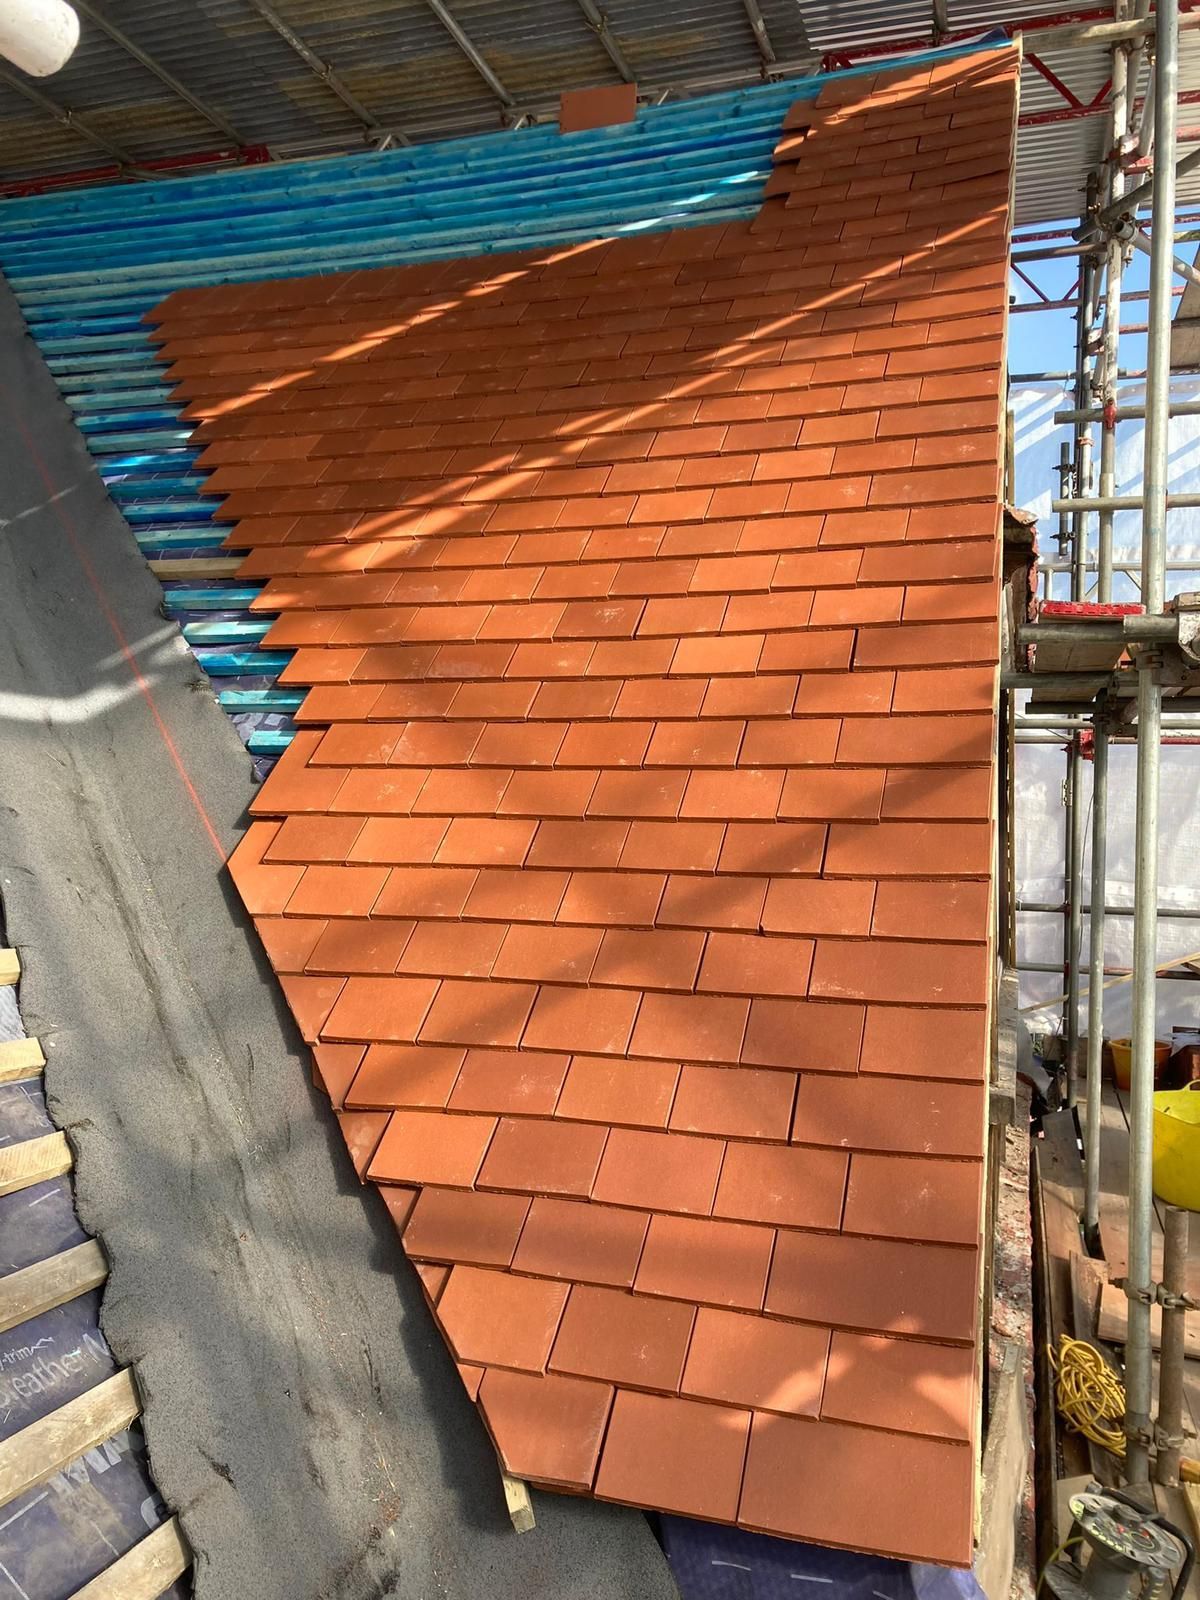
20 1058
33 1161
52 1443
144 1572
50 1283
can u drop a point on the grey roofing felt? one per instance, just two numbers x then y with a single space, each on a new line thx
301 1412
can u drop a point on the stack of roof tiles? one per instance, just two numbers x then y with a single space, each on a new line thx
631 873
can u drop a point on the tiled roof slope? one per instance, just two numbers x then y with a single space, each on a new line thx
631 874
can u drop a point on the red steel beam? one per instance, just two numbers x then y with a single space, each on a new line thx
247 155
1031 25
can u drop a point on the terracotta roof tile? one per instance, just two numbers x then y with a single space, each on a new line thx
681 1454
424 1147
509 1082
478 1013
659 1171
629 868
334 1066
619 1090
903 1114
804 1478
718 1263
547 1428
903 1197
872 1284
623 1338
367 946
907 1385
289 941
543 1157
497 1319
362 1131
758 1362
433 1278
459 1225
394 1075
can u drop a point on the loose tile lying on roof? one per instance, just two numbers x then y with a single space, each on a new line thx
630 873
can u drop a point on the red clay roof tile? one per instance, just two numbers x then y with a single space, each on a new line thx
497 1319
757 1362
623 1338
394 1075
543 1157
902 1115
681 1454
583 1243
425 1147
659 1171
718 1263
509 1082
547 1428
903 1197
907 1385
648 606
620 1091
460 1225
805 1479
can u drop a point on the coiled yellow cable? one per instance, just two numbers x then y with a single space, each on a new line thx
1089 1393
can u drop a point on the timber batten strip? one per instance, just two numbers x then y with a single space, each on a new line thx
144 1572
46 1284
20 1058
33 1161
52 1443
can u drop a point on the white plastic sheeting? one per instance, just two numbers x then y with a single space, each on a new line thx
1041 769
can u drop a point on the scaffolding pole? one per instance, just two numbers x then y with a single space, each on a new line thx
1096 932
1139 1288
1106 392
1081 479
1110 341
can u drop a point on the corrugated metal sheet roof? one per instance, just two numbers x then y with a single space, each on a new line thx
399 62
850 24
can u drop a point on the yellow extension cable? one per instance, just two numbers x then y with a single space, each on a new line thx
1089 1393
1091 1397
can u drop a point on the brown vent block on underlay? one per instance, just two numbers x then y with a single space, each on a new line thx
629 872
580 109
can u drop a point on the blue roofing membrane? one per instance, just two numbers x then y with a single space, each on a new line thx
86 265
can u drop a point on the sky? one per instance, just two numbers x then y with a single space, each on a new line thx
1044 341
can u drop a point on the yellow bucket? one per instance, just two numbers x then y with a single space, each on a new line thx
1177 1147
1122 1055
